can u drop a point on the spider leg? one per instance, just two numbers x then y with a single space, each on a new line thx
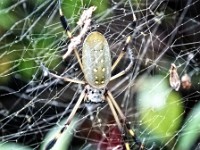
64 22
65 25
122 53
116 105
134 137
54 140
130 131
119 59
46 71
114 114
116 119
67 79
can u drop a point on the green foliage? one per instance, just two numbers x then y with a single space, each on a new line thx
12 146
27 67
72 9
190 130
4 69
65 139
48 53
160 108
7 19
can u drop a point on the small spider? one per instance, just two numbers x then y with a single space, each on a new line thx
96 67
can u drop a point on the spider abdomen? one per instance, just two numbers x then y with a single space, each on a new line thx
96 60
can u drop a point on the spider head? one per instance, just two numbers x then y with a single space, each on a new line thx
95 95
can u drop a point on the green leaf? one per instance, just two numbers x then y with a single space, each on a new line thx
5 65
190 130
44 49
101 5
65 139
4 4
72 9
7 20
27 67
12 146
159 106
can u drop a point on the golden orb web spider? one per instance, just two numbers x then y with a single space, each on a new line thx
96 67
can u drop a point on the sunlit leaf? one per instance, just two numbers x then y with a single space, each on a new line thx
160 107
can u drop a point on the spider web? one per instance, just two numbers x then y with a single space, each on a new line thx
32 43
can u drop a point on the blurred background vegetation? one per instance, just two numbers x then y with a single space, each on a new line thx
165 32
